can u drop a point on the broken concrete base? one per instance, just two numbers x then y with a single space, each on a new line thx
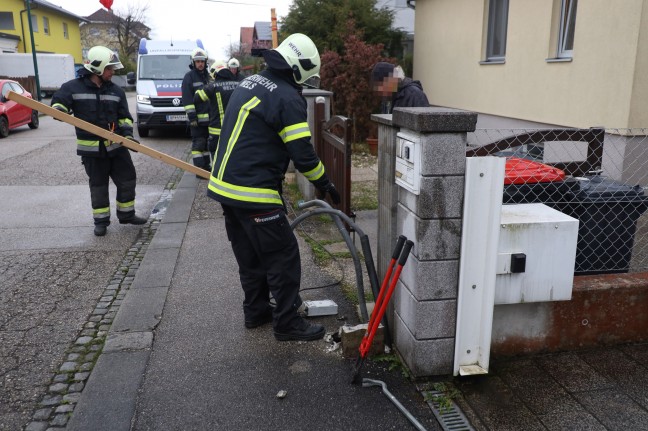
352 337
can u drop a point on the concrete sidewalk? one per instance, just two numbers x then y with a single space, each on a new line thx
180 357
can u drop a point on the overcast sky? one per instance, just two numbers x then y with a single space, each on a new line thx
214 22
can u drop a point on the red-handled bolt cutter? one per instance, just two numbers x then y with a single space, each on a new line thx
401 253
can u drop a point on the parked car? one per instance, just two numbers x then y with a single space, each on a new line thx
13 114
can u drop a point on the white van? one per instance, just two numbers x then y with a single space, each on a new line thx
161 66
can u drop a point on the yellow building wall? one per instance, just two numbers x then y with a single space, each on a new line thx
595 89
53 42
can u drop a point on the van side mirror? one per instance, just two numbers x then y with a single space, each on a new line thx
130 78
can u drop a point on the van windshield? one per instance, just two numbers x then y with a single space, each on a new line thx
163 66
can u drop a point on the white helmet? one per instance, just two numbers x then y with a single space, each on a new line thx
233 63
217 66
302 56
199 54
100 57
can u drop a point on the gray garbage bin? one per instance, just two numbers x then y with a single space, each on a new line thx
608 212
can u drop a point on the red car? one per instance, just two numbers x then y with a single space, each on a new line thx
13 114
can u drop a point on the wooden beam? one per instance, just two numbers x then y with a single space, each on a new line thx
106 134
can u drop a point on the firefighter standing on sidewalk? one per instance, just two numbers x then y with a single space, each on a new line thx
265 126
92 97
217 94
198 118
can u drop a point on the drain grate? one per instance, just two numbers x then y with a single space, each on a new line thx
451 418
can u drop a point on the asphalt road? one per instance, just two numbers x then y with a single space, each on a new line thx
53 270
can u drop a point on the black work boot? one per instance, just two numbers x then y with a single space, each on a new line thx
134 220
100 230
301 330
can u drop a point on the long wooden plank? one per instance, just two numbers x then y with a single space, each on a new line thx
106 134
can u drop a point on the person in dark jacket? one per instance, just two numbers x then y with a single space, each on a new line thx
216 94
92 97
235 67
198 118
265 126
396 90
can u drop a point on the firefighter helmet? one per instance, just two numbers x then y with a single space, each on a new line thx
233 63
302 56
199 54
217 66
100 57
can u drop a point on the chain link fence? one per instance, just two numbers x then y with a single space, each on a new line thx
598 176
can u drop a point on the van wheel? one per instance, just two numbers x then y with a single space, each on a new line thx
143 132
34 120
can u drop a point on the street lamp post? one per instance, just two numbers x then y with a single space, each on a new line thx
33 49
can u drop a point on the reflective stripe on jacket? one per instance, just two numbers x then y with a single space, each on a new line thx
193 81
265 126
104 106
217 94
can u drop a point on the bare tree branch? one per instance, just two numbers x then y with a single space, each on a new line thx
130 26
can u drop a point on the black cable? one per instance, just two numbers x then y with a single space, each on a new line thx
302 226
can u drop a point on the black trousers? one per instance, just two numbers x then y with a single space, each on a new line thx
120 168
268 257
199 151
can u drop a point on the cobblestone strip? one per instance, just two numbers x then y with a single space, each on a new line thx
64 391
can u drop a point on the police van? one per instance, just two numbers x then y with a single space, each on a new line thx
161 66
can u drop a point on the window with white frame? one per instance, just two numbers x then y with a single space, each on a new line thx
34 23
66 34
497 27
567 26
46 25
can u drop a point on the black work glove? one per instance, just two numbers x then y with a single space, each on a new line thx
58 108
193 123
331 190
134 140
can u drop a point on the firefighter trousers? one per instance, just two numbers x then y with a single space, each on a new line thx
120 168
267 253
199 152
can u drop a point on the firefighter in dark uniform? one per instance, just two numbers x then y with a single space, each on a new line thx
235 67
198 118
217 94
92 97
265 126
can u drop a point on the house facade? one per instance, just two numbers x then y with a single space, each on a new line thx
103 27
565 62
55 29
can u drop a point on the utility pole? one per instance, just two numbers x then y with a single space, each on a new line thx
33 49
273 27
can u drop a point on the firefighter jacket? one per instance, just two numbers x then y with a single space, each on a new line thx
265 126
193 81
104 106
217 93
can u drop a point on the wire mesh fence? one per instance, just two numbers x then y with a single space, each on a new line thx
598 176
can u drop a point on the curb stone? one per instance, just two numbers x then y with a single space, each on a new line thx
64 390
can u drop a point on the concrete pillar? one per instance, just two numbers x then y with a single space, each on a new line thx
424 304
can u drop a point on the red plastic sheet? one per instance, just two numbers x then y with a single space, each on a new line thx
523 171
